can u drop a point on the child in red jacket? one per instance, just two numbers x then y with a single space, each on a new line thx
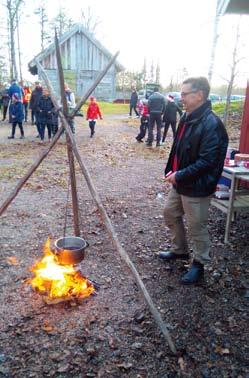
93 113
144 121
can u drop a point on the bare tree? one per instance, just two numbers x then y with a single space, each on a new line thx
18 44
158 73
152 71
61 22
43 21
214 43
89 21
235 61
12 8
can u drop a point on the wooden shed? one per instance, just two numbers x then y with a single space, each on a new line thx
83 57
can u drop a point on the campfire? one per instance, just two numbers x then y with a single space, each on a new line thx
58 283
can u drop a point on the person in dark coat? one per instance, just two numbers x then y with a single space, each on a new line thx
33 105
14 89
46 108
5 101
133 102
55 121
169 116
17 115
156 106
194 167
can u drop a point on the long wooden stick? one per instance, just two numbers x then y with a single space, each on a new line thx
73 183
31 170
123 254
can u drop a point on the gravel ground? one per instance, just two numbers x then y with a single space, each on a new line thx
112 333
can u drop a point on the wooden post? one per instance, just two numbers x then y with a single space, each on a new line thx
69 148
31 170
123 254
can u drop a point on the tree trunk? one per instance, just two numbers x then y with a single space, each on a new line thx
18 44
232 77
214 44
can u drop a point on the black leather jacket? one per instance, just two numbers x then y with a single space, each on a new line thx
201 152
156 103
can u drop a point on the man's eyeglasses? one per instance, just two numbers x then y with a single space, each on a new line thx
184 94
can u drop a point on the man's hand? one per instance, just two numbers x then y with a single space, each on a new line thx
171 178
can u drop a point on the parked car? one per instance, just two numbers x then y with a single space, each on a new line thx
215 97
144 94
237 98
177 98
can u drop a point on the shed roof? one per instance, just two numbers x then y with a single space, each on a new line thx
76 28
233 6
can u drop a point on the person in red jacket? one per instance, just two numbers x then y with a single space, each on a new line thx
93 113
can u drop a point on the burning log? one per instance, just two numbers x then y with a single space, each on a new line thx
58 283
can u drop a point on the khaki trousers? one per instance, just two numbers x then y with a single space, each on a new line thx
196 213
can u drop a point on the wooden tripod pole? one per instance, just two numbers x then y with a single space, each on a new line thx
75 202
123 254
36 164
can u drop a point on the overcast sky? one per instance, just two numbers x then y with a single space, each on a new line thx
176 33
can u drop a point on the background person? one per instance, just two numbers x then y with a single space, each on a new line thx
17 116
33 105
14 89
5 101
70 97
169 116
133 102
144 121
45 107
156 106
26 100
194 167
92 114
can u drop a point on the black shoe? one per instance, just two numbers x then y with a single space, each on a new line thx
158 144
22 137
149 144
194 275
11 137
170 256
139 140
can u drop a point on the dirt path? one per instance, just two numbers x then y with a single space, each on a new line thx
112 334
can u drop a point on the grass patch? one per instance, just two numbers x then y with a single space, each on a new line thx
110 108
236 106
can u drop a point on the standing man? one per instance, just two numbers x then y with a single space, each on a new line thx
33 105
5 101
133 102
194 167
156 106
169 116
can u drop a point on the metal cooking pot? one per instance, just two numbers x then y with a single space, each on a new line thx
70 249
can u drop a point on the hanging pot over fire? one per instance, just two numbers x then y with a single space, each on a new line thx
70 250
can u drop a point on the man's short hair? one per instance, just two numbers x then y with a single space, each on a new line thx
156 88
199 84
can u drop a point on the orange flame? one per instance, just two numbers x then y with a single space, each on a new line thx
59 281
